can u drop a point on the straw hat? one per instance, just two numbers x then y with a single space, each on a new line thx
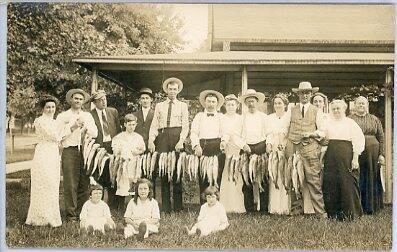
305 86
174 80
73 91
205 93
252 93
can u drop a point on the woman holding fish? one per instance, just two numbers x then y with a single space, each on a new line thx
231 194
278 123
341 169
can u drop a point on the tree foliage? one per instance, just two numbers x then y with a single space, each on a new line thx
43 38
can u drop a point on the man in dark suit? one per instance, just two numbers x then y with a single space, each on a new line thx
145 114
108 125
145 117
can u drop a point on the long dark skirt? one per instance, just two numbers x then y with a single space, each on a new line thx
340 186
370 183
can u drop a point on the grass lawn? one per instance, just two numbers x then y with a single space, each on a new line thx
245 231
23 148
19 155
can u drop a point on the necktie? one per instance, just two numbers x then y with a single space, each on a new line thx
169 114
303 111
210 114
105 124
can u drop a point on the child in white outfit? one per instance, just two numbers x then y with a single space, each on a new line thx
142 215
95 214
128 144
212 216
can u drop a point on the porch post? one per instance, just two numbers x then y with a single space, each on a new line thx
94 84
244 80
388 136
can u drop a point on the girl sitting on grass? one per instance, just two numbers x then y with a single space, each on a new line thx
95 214
212 216
142 215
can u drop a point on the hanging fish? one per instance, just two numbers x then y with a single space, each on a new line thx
102 165
98 158
230 167
251 167
148 162
144 164
265 171
275 169
196 166
111 169
258 175
281 165
179 168
301 171
295 182
138 170
204 167
87 151
209 168
215 170
153 164
91 157
245 170
236 169
288 174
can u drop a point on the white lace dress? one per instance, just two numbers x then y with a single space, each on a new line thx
45 176
231 194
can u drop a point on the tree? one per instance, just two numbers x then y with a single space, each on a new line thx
43 38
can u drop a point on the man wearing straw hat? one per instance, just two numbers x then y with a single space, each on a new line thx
168 131
206 133
303 133
254 135
73 125
108 124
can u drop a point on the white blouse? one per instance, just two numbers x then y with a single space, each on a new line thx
148 209
278 128
346 129
232 126
254 127
46 129
125 144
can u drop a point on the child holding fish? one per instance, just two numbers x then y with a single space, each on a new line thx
142 216
127 145
212 217
95 214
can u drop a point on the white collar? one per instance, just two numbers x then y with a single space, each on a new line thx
99 111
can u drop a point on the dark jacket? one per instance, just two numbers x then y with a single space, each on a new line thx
112 116
143 127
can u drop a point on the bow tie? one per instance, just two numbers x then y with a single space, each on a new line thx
210 114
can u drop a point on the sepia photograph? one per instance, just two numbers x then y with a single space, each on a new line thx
199 126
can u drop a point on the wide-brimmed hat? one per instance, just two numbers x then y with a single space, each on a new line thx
231 97
252 93
205 93
305 86
147 91
174 80
97 95
73 91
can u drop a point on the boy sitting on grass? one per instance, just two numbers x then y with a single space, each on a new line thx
95 214
212 217
142 215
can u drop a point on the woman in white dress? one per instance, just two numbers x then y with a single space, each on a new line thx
45 172
231 194
276 139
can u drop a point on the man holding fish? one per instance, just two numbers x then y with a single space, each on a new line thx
74 124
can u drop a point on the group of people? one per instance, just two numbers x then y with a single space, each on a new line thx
340 157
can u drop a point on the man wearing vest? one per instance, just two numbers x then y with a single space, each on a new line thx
254 135
144 120
168 131
302 137
108 125
206 133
